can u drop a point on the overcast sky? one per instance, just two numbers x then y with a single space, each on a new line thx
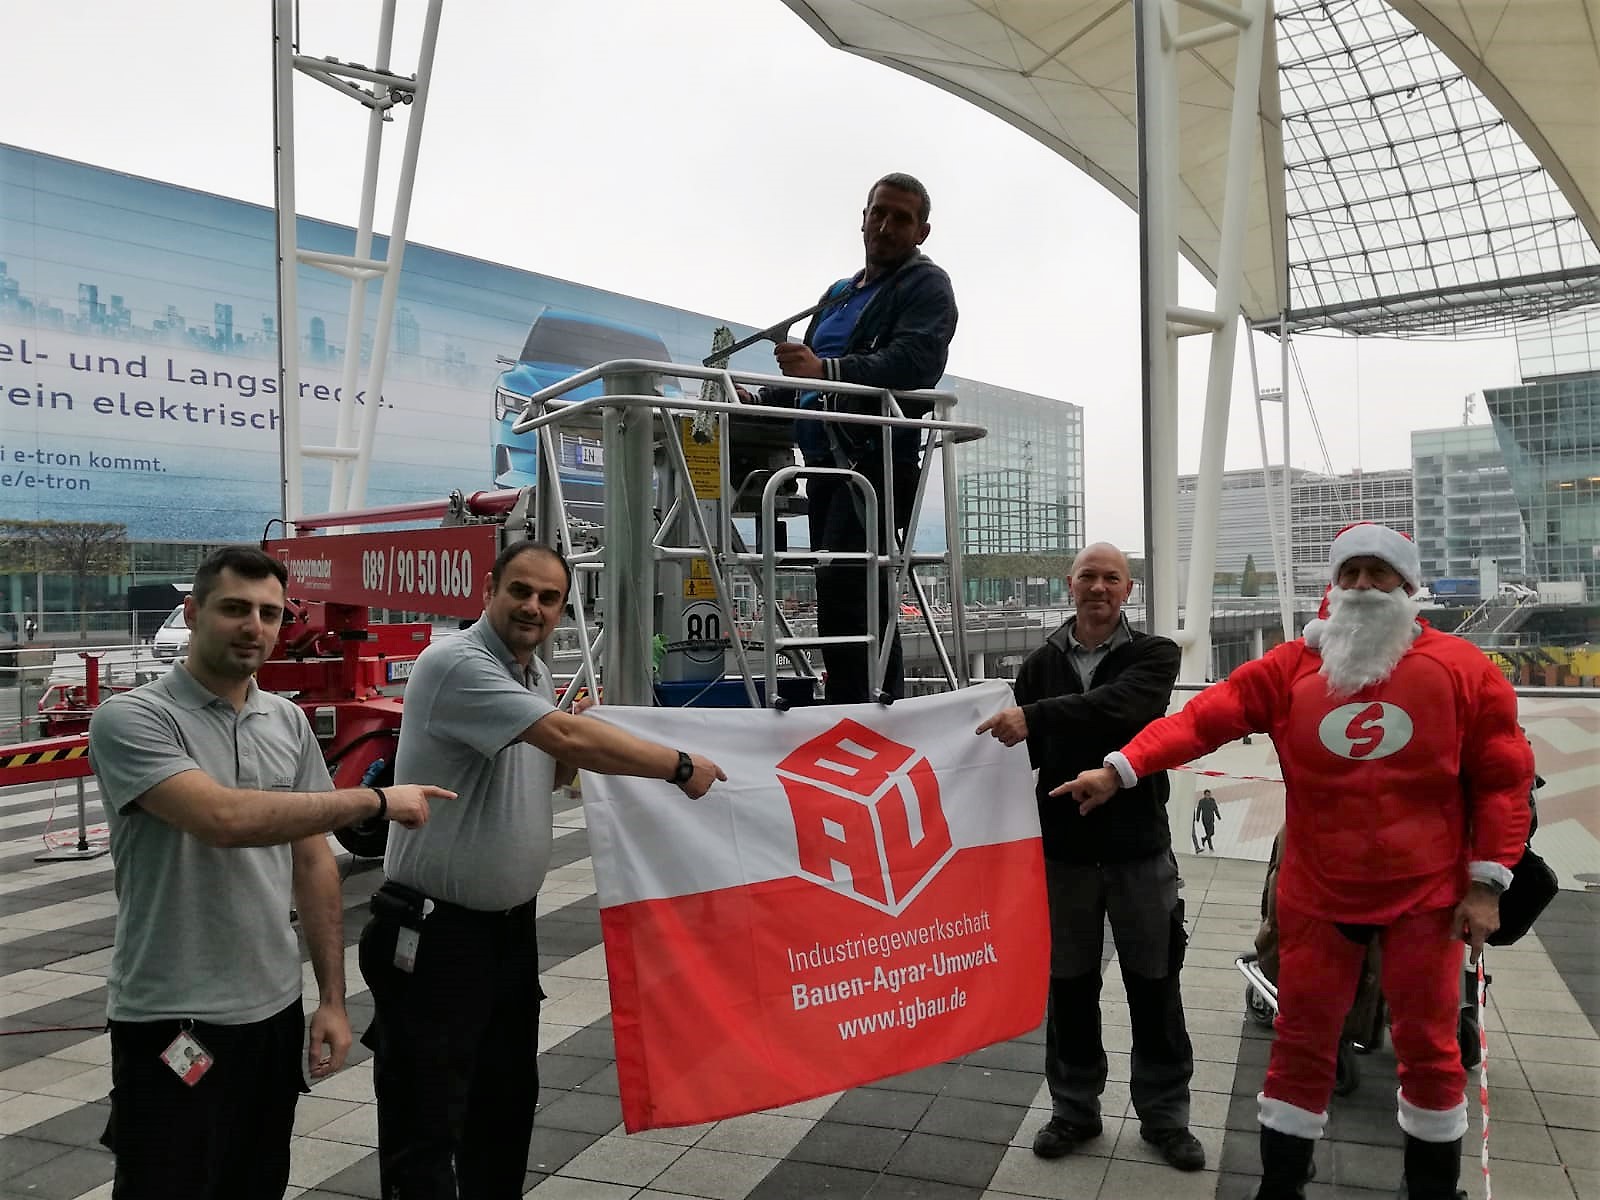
709 154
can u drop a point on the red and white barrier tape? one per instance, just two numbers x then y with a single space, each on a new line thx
1483 1075
1229 775
69 837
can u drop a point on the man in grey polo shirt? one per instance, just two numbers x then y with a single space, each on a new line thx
451 953
219 804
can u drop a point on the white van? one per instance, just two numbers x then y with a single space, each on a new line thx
172 639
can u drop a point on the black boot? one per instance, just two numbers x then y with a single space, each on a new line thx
1285 1165
1432 1170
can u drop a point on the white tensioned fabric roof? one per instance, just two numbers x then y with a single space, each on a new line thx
1423 166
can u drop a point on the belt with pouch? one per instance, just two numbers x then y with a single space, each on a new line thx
404 904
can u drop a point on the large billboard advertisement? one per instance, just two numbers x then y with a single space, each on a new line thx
138 352
138 359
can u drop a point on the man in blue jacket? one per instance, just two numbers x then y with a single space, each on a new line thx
888 325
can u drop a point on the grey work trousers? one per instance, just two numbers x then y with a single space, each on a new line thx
1141 900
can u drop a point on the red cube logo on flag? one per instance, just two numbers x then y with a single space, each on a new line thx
867 819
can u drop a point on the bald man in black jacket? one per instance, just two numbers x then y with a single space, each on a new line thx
1094 684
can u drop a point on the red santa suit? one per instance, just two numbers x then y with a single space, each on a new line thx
1395 794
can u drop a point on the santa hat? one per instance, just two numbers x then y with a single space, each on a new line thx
1362 539
1367 538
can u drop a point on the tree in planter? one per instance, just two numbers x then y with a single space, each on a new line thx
1250 582
78 548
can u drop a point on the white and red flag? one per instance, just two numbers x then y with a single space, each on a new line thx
863 896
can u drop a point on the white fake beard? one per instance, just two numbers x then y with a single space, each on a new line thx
1367 633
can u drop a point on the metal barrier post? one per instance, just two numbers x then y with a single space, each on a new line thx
629 581
84 849
952 534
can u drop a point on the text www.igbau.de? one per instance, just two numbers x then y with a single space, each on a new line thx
904 1016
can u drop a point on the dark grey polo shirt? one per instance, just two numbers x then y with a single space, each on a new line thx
1086 661
467 704
202 931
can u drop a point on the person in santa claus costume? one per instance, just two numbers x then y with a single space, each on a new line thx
1407 780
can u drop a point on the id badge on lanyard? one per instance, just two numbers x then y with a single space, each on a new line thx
187 1058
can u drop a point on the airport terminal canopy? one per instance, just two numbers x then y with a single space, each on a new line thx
1424 166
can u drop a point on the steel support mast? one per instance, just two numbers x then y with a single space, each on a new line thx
380 90
1159 46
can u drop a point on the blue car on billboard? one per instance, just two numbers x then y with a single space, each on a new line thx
560 344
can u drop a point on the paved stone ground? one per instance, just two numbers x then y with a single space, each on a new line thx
957 1131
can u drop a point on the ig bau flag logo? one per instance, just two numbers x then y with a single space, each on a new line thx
867 816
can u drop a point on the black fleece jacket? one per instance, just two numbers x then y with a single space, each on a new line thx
1072 730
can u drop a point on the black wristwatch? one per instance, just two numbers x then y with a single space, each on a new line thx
684 771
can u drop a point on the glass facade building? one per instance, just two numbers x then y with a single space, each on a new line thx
1321 506
1549 434
1325 504
1243 522
1466 510
1019 490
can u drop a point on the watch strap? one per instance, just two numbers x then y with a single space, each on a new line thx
684 770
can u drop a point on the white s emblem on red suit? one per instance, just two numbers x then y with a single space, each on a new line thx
1366 730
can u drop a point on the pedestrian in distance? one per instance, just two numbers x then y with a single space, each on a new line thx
1208 814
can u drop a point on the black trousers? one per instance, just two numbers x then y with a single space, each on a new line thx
224 1138
836 524
455 1052
1146 916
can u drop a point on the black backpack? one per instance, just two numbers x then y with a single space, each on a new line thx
1533 886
